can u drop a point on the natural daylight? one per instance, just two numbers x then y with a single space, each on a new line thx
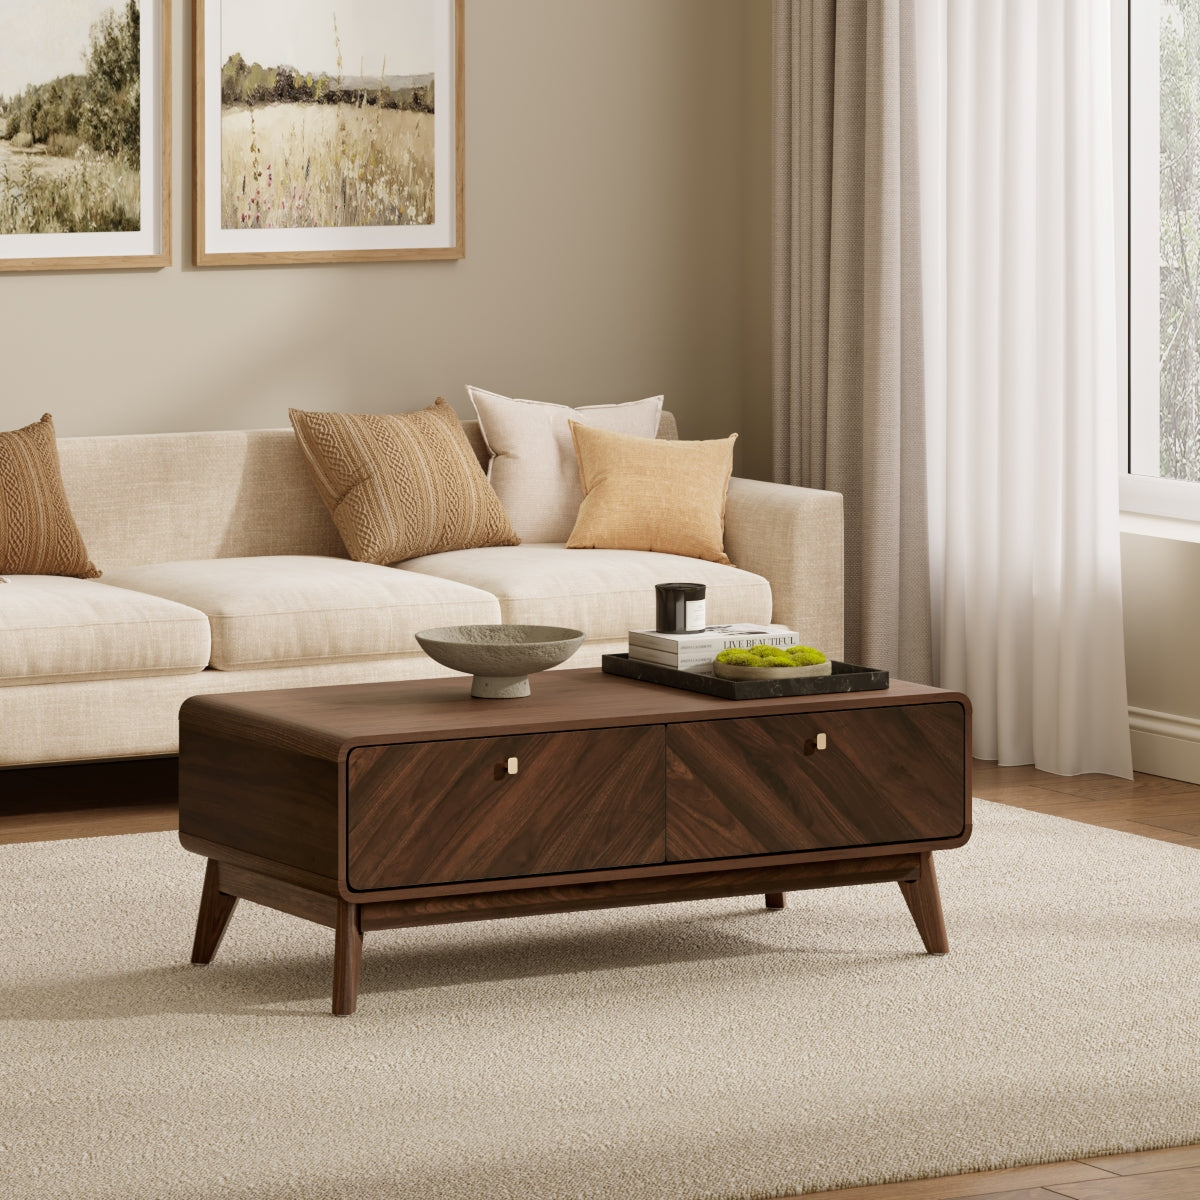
327 117
70 118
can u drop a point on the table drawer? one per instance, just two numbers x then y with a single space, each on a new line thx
761 785
446 811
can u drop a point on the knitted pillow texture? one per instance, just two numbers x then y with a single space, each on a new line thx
401 485
38 534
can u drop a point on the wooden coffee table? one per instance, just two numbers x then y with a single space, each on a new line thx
376 806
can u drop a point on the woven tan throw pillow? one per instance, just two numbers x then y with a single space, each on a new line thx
38 534
401 485
649 494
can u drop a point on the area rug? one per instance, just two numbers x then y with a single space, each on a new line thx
693 1051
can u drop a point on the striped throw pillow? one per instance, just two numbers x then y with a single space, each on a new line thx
401 485
38 534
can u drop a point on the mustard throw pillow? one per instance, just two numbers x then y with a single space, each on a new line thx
38 534
648 494
401 485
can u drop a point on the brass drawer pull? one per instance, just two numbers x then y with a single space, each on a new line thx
505 769
815 744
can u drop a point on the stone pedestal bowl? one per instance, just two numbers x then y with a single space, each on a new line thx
500 657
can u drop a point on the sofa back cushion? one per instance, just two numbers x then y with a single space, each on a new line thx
164 497
170 497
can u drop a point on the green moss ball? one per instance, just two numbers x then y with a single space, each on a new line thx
738 658
805 656
772 654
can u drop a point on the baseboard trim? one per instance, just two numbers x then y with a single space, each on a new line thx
1165 744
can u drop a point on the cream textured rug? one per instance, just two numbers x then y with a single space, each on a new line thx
703 1050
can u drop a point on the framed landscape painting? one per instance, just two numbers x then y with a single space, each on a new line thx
85 134
328 130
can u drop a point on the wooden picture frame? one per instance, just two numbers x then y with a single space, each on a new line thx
321 154
80 155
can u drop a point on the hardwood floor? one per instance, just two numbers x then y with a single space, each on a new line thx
1157 808
88 822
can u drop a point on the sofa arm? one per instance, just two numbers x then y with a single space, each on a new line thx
792 536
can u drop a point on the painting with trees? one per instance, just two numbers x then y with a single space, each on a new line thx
89 122
81 134
328 129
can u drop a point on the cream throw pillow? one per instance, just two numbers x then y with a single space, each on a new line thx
38 534
533 466
646 494
399 486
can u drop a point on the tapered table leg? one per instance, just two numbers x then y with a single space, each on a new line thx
925 903
776 900
215 910
347 959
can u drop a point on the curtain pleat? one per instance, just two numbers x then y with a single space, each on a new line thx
848 336
802 103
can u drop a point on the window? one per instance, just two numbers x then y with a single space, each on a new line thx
1156 47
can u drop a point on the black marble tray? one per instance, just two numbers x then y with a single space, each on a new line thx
843 678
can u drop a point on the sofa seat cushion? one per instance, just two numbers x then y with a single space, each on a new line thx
606 593
296 610
58 629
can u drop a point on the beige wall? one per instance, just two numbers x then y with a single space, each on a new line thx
1161 581
608 180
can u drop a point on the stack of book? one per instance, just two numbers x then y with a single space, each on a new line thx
696 651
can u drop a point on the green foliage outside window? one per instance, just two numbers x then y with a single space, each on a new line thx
1179 240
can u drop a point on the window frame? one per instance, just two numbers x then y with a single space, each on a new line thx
1136 165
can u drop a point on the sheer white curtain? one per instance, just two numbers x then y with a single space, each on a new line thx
1020 335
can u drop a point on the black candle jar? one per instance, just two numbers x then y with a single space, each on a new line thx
679 608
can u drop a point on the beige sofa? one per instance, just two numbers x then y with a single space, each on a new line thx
222 571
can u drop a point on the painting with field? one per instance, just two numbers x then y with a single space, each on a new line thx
327 128
76 106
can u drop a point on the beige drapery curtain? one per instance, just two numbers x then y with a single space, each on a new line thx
848 376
